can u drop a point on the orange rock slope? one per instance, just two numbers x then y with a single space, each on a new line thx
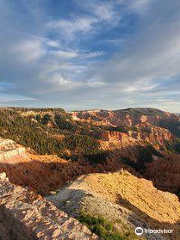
149 207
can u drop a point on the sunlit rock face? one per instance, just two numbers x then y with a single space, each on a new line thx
27 216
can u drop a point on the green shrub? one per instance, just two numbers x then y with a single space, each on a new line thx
101 227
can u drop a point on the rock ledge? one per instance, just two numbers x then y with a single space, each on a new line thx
27 216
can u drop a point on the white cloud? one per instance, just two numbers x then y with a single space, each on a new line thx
153 53
94 83
91 54
59 83
52 43
139 6
63 54
28 50
140 88
104 11
168 102
68 28
97 12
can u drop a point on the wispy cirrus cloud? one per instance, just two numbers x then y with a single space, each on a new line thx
97 54
73 26
139 6
96 12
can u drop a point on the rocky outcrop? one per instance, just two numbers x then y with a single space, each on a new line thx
7 144
26 216
157 136
127 117
134 126
144 132
9 148
11 153
115 136
122 199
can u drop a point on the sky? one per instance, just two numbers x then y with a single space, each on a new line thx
90 54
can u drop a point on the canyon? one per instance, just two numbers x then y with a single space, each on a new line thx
121 166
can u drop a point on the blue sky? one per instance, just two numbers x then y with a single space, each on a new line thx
89 54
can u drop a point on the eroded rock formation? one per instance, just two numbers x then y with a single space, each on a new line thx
122 198
27 216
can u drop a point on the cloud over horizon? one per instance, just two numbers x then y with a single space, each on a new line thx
90 54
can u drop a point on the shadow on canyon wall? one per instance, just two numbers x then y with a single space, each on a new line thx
149 222
43 178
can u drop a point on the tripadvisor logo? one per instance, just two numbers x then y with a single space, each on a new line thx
138 231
